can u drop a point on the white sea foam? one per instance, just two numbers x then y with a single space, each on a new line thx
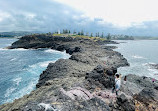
41 64
153 71
45 64
19 49
52 51
27 89
17 80
145 64
55 51
11 95
138 57
65 55
149 65
13 59
3 49
9 91
152 63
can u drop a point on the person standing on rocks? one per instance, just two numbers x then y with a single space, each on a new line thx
117 84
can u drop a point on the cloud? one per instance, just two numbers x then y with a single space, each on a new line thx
148 28
50 15
117 12
36 15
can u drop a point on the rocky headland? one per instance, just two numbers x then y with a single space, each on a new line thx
84 81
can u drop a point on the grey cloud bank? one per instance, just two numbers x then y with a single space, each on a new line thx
48 16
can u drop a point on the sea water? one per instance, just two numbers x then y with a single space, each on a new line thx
20 69
139 53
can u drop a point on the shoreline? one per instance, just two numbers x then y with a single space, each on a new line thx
141 63
32 71
89 60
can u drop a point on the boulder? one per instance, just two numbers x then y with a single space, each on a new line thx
98 76
147 99
125 104
73 49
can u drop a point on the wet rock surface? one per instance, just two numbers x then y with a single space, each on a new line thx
154 66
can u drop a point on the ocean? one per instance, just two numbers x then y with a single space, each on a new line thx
20 69
139 53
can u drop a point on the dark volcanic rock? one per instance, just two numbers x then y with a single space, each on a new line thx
99 76
125 104
72 50
99 69
147 96
154 66
89 66
106 42
122 98
156 87
147 99
110 72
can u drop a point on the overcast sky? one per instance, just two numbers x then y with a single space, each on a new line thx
131 17
118 12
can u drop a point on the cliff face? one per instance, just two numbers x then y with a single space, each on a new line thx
71 84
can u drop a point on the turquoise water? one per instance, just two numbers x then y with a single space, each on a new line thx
139 53
20 69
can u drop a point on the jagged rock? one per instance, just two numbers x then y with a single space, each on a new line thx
99 77
148 99
156 87
125 104
147 96
122 98
109 72
72 50
99 69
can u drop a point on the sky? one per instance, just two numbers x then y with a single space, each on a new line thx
130 17
119 12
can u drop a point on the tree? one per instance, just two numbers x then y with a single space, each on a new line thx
63 31
66 31
108 36
102 35
98 34
82 33
49 33
91 34
79 33
69 32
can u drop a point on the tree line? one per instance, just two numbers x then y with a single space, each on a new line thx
97 34
82 33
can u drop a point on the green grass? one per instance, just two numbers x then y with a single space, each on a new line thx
82 36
